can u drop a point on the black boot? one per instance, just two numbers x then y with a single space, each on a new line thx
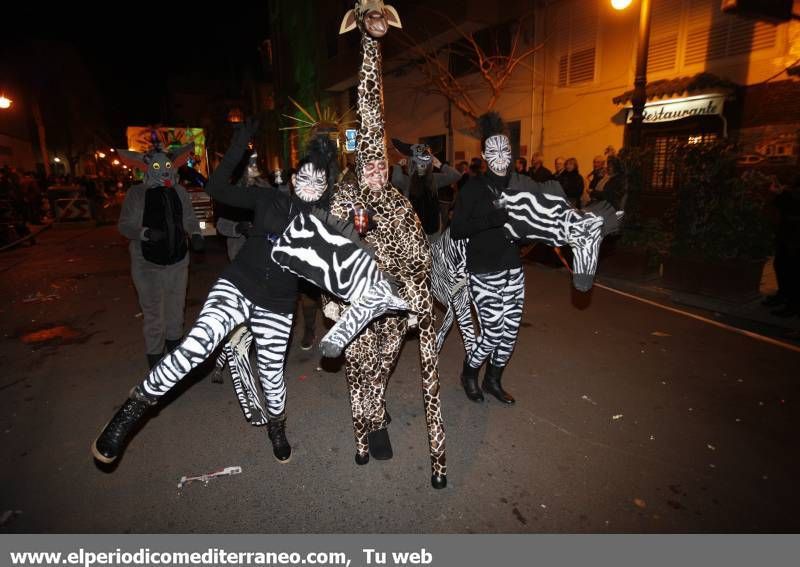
153 359
469 380
276 430
491 384
379 445
114 438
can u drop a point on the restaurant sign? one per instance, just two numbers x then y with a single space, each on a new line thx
678 108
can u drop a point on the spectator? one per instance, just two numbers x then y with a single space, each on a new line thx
538 171
521 166
597 173
787 252
558 170
572 182
611 188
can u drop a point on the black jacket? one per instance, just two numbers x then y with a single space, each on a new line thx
253 271
475 217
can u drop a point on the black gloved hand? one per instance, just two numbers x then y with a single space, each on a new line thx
154 235
243 228
198 244
245 131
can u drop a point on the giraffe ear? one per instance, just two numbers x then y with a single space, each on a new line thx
392 16
348 23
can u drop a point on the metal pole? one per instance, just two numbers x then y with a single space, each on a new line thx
640 81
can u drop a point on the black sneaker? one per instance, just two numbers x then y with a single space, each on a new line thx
276 430
112 441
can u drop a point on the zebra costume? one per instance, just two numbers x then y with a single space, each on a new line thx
258 290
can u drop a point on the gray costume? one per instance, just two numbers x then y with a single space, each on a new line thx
161 287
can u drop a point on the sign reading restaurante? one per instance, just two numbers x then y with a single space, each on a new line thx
678 108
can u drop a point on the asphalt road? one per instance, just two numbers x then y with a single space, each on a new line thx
629 419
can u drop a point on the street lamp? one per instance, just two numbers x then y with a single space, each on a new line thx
115 162
57 159
5 102
640 79
101 155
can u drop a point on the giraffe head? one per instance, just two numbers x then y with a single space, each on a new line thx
372 17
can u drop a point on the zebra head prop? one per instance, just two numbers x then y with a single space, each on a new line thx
542 213
160 167
420 155
584 235
371 16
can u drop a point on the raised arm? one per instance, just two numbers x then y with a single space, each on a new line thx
219 187
400 179
447 176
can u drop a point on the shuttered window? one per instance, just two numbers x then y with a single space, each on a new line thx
664 30
577 27
712 34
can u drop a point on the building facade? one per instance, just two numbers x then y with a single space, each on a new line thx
710 75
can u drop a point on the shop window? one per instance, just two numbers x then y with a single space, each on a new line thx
577 28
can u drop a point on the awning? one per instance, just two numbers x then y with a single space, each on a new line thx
702 83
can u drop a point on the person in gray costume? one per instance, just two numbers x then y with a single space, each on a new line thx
158 219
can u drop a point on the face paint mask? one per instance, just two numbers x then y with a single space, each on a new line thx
421 158
309 183
497 153
376 174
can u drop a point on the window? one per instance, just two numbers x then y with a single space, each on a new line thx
712 34
666 20
577 42
659 175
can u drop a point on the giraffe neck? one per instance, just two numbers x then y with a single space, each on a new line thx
371 136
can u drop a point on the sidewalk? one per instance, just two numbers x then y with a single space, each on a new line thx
35 230
751 315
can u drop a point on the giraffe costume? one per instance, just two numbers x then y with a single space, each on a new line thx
402 251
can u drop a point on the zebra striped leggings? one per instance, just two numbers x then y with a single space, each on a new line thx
224 310
498 299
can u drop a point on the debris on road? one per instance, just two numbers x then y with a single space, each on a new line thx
204 478
660 334
138 315
652 438
640 503
588 399
710 446
39 297
302 378
616 417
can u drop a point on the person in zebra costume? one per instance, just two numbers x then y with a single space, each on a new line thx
256 290
494 269
538 212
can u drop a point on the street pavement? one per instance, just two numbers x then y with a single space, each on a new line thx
629 418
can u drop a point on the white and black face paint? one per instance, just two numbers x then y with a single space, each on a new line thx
497 153
309 183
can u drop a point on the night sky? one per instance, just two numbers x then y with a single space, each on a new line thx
131 61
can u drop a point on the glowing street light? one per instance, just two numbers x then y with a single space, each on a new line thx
5 102
101 155
57 159
620 4
115 162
